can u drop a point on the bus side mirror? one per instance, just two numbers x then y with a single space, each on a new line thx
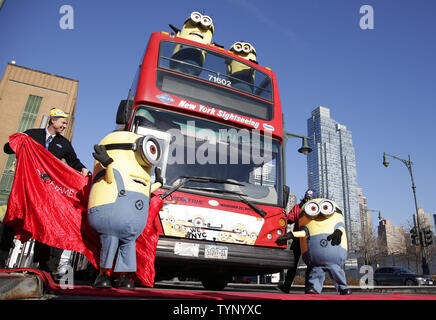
124 112
286 191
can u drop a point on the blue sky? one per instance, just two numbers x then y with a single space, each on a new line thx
380 83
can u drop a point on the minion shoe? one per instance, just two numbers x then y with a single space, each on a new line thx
102 281
124 282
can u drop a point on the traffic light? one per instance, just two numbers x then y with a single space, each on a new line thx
428 237
414 235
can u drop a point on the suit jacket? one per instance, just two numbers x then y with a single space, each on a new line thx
60 147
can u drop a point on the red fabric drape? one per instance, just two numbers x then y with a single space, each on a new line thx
48 202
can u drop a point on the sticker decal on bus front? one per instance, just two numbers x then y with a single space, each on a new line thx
209 224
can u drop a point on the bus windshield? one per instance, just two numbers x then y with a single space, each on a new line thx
196 147
229 83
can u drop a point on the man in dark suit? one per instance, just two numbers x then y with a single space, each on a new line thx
51 138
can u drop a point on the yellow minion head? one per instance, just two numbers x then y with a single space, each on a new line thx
240 232
244 50
133 158
317 214
321 216
179 229
225 236
167 221
197 28
125 145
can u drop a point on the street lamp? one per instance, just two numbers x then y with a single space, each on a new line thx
408 163
305 149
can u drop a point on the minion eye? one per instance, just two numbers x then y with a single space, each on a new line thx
237 47
149 149
311 209
196 17
206 21
247 48
327 207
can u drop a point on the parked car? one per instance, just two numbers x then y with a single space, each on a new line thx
398 276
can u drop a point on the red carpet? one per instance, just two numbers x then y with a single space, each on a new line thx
52 287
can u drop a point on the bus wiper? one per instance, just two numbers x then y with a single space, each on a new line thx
186 179
241 196
258 210
218 191
210 179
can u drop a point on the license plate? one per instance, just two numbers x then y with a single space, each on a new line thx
215 252
186 249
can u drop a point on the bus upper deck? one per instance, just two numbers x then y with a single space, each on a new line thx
210 82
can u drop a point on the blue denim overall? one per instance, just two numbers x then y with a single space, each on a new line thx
119 224
322 257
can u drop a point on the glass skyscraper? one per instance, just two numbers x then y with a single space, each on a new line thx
332 168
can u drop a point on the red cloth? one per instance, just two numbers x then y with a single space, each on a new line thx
48 202
146 244
293 217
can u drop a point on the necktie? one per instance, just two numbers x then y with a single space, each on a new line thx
47 143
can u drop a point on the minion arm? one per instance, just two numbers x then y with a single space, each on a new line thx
158 178
109 176
155 186
340 226
336 236
102 156
299 234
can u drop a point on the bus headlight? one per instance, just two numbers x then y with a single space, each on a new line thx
279 232
269 236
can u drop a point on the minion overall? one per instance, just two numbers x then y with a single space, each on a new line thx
119 200
323 244
197 28
242 75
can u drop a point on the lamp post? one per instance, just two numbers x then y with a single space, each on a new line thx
305 149
408 163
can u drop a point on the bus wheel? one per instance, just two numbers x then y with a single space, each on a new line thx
216 283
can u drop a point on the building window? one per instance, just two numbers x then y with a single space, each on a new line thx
29 115
27 121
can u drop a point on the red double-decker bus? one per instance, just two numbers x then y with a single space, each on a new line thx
218 118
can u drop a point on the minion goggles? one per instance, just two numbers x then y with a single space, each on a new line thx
205 21
244 47
326 208
147 149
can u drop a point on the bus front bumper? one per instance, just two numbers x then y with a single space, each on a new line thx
188 257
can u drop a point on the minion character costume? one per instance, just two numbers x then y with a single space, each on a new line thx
198 28
242 75
119 200
323 244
